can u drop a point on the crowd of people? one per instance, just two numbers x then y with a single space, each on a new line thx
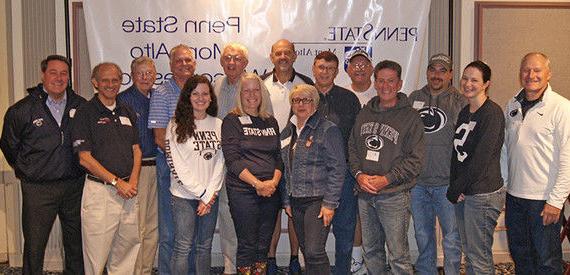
154 169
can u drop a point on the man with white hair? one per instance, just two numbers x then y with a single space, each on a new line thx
162 107
536 164
233 62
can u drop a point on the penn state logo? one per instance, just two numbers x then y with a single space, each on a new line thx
434 119
38 122
208 154
374 142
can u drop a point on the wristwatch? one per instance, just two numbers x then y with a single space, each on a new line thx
114 181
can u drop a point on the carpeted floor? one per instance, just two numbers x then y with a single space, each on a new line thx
501 269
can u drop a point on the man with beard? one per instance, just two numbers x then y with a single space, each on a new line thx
439 104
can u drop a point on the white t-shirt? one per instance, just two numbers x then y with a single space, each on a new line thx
279 95
197 165
365 96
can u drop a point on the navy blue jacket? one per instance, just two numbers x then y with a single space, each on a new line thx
34 144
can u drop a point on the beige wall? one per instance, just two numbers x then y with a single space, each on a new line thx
4 103
508 35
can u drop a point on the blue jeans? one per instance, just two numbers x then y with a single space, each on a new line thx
535 248
429 202
385 219
343 225
165 222
482 212
190 228
311 233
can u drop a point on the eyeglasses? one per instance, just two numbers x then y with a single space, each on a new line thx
144 74
298 100
361 66
324 68
236 58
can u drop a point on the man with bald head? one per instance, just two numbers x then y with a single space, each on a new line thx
536 165
234 59
105 136
281 80
279 83
162 106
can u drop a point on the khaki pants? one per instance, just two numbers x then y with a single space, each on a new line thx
148 220
109 226
228 239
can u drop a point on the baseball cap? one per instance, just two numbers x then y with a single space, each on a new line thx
359 52
442 59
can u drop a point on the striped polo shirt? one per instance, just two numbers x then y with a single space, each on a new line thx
163 104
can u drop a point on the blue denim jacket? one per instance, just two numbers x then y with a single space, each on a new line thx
317 166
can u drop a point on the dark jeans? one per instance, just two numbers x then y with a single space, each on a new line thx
535 248
311 233
343 226
40 205
254 220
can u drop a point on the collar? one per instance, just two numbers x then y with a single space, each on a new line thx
51 101
139 93
174 87
520 96
102 108
290 80
226 83
311 121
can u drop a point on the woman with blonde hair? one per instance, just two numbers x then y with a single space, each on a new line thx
250 142
314 173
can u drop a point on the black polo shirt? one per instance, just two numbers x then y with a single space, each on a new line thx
108 135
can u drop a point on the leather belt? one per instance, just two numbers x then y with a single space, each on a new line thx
96 179
148 162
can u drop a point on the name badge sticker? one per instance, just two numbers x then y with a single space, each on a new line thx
245 120
285 142
418 104
125 121
372 155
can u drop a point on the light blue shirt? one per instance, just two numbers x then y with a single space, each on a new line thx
163 104
57 107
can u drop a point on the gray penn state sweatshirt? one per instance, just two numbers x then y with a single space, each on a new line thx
439 116
388 142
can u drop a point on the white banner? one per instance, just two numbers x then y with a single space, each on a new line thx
120 30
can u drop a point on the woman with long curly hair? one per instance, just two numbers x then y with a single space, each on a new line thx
194 154
250 141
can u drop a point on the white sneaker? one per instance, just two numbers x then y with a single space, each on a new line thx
357 267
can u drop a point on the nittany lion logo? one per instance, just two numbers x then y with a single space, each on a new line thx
434 119
374 142
208 154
